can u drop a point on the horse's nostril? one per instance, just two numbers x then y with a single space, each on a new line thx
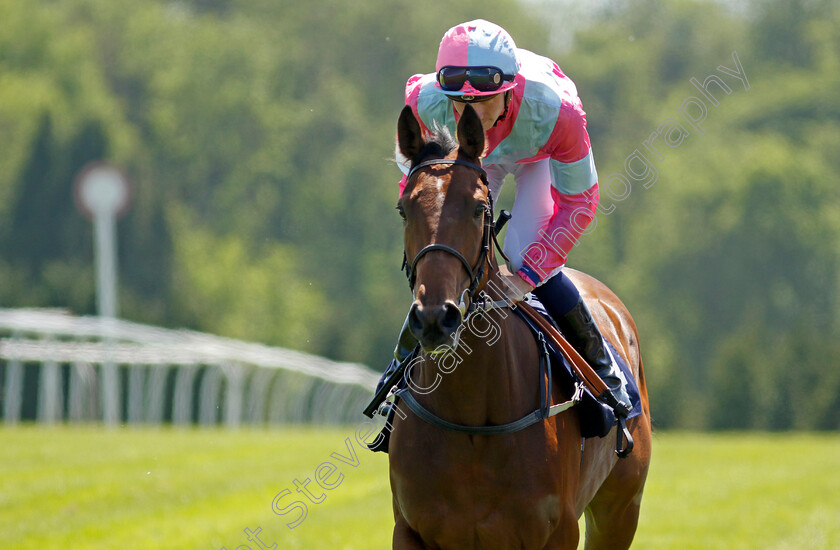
415 323
452 317
434 323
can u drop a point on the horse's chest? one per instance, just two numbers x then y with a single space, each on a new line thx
496 499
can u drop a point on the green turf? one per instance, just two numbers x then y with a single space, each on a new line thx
93 488
742 491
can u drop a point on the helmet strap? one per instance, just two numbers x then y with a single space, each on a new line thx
508 97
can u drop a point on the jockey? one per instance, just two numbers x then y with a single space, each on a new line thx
535 129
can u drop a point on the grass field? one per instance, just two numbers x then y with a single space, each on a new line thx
93 488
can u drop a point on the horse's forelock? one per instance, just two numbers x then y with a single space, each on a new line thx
439 143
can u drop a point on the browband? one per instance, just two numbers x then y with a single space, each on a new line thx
447 161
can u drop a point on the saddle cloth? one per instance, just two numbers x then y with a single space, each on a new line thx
596 419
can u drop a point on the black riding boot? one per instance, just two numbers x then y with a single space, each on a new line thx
405 347
584 335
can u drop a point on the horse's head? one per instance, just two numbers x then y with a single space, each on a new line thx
448 220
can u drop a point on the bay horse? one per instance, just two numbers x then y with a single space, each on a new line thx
524 490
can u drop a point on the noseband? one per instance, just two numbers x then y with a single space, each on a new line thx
476 272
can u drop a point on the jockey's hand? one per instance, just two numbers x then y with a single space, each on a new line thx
515 286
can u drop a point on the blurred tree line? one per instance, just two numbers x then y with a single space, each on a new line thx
259 137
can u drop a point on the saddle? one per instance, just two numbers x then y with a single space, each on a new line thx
596 418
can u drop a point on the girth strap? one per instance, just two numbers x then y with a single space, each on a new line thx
544 412
528 420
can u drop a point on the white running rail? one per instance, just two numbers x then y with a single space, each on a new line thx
56 367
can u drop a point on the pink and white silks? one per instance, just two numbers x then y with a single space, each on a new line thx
542 141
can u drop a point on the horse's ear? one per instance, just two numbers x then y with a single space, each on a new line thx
471 133
409 134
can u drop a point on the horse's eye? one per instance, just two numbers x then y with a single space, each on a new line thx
479 211
401 211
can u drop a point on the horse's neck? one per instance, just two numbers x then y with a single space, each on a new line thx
489 378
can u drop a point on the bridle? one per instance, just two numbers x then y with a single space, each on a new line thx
476 272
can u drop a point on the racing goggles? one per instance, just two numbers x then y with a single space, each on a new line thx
483 79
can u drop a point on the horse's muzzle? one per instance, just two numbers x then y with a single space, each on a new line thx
434 326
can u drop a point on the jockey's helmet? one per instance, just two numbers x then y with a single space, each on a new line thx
476 58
